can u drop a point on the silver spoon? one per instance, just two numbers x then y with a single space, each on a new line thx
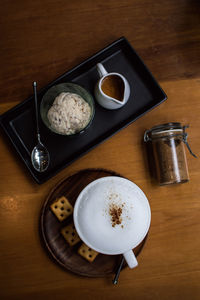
115 280
40 156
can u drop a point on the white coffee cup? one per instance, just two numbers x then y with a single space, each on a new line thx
106 100
94 221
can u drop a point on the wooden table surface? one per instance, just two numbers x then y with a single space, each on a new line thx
41 40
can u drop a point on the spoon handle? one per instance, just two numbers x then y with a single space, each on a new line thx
115 280
36 109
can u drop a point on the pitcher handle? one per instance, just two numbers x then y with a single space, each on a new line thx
101 70
130 259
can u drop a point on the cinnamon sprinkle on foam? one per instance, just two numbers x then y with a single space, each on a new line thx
115 212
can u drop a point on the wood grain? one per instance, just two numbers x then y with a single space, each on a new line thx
42 39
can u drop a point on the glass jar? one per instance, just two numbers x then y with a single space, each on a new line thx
167 141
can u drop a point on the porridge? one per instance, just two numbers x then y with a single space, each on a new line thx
69 113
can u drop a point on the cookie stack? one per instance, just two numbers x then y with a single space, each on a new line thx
62 209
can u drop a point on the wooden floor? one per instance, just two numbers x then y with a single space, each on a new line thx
40 40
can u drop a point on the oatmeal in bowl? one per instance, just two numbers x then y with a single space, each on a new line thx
67 109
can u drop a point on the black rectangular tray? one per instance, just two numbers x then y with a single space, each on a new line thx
19 122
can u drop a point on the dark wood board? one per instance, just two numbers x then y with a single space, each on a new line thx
50 227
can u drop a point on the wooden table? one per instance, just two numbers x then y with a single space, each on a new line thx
41 40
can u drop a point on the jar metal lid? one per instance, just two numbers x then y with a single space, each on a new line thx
167 128
171 129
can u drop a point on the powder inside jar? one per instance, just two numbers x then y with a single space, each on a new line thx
170 160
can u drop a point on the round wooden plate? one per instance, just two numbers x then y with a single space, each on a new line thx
66 256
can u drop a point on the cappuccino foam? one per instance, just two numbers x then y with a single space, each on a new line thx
93 219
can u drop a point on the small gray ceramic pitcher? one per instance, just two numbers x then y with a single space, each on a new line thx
106 96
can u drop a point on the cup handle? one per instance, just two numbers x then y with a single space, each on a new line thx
101 70
130 259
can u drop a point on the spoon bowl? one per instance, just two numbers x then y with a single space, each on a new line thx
39 156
